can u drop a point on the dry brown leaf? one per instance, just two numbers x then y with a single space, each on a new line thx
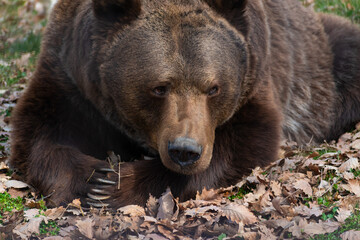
55 213
3 166
308 212
25 229
86 227
15 184
166 231
199 211
276 188
310 162
344 138
152 206
355 144
353 186
166 205
304 185
253 197
321 228
207 195
238 213
277 205
275 223
263 202
31 213
17 193
343 214
266 234
2 187
349 164
350 235
348 175
289 164
250 235
103 228
155 236
76 203
297 228
132 210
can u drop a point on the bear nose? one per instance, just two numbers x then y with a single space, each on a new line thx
184 151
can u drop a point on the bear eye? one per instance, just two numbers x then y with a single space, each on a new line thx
213 91
160 91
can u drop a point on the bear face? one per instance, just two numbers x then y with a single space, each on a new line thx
166 76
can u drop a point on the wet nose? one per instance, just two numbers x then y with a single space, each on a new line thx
184 151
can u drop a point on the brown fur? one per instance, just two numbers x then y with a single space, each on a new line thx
132 76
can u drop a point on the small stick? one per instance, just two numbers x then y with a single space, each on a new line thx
119 176
90 176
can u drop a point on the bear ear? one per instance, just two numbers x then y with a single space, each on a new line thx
113 10
227 5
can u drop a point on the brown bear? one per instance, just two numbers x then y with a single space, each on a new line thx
206 88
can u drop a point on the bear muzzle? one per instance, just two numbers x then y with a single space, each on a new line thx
184 151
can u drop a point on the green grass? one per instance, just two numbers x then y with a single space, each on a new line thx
9 204
346 8
51 228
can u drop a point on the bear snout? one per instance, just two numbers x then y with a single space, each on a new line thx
184 151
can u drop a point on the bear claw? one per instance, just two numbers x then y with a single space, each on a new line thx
106 170
106 181
100 191
98 197
96 204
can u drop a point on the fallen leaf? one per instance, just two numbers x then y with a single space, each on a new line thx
132 210
353 186
308 212
207 195
350 235
298 228
303 185
321 228
276 188
17 193
349 164
166 205
238 213
86 227
103 228
2 187
31 213
198 211
15 184
343 214
155 236
55 213
152 206
26 229
355 144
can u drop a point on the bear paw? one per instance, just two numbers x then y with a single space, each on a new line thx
101 188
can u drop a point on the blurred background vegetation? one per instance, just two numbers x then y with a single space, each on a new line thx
22 23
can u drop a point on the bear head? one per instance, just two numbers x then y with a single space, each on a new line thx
172 73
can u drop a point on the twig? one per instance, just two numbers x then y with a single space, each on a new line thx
90 176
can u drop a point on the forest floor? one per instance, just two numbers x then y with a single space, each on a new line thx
311 192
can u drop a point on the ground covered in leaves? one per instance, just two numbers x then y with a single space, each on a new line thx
309 193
